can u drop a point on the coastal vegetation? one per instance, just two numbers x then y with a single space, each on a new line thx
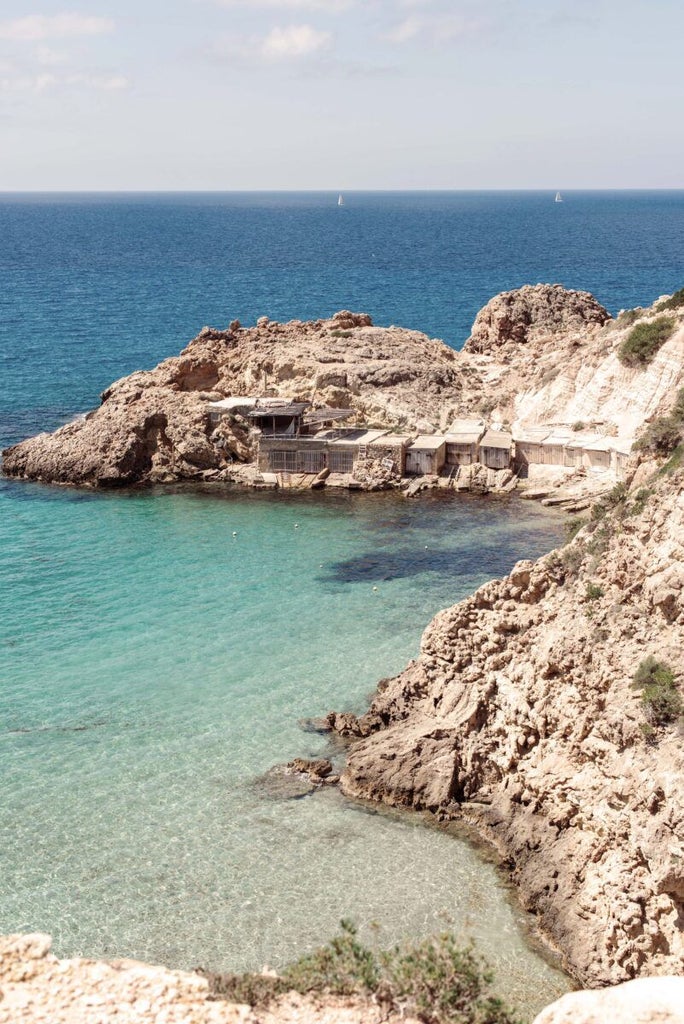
644 340
664 436
437 981
675 301
659 694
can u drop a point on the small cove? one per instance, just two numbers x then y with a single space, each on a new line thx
155 666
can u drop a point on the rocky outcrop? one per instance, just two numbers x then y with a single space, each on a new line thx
646 1001
539 354
155 426
37 988
519 716
533 313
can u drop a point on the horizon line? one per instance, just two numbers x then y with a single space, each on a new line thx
332 189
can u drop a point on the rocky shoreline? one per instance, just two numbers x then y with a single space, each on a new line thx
538 355
522 715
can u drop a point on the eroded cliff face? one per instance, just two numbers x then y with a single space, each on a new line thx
519 715
539 354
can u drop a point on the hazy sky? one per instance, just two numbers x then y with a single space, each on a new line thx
341 94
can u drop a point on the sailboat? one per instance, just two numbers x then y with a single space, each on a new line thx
559 198
340 200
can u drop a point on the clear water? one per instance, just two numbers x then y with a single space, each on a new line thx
153 667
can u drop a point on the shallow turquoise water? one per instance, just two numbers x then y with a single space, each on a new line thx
155 666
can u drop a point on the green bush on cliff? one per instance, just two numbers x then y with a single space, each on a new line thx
436 980
644 340
663 435
659 694
674 302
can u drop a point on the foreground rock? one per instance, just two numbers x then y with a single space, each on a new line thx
519 716
646 1001
37 988
539 354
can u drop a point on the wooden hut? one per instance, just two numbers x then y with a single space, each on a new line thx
553 448
574 449
528 446
425 456
283 420
621 451
597 454
495 449
462 439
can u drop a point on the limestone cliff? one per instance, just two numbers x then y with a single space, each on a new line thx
520 715
539 354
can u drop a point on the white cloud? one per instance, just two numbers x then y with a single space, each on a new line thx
49 58
99 83
405 30
437 28
294 41
36 27
48 82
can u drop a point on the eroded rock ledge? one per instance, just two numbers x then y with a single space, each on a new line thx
519 715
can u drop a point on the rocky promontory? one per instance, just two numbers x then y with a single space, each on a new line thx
546 710
539 354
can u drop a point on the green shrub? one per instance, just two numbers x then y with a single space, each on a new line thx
337 333
676 460
573 526
578 425
629 316
674 302
659 694
615 497
660 437
639 501
600 539
435 980
677 410
644 340
593 592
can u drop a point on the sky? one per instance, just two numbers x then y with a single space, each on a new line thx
341 94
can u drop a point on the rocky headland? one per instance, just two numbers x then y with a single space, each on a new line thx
540 354
546 710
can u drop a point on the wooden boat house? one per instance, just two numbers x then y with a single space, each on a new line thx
496 448
462 440
426 455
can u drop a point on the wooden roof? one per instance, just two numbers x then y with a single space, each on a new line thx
496 439
293 409
427 443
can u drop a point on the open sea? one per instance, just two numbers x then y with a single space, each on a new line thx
153 666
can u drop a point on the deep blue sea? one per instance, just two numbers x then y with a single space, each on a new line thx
153 666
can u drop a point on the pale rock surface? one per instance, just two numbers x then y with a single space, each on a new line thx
540 354
37 988
519 717
644 1001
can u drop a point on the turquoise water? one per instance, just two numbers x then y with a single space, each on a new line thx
155 666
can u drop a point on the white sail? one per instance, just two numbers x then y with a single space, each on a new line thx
340 200
559 197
